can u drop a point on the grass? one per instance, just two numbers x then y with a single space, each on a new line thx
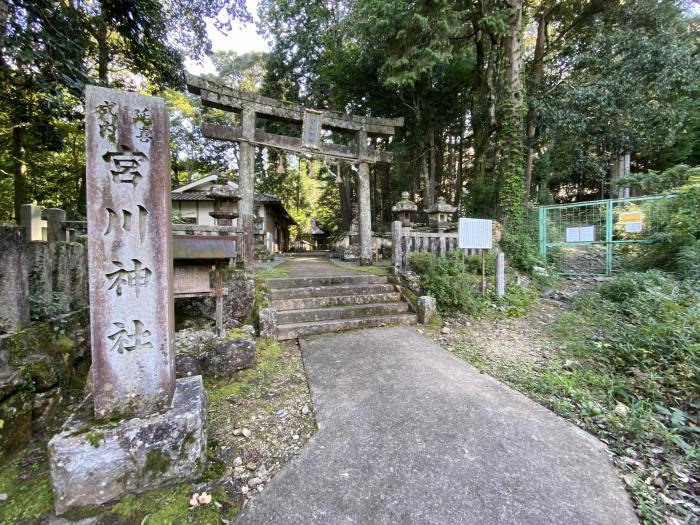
271 273
25 480
626 371
380 270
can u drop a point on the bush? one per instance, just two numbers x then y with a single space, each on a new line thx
652 335
653 182
520 246
676 244
454 285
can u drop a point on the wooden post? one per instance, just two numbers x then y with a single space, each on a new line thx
396 255
219 298
246 185
54 225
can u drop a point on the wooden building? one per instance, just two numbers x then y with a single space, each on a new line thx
192 204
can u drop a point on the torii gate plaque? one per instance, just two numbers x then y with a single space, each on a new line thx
250 105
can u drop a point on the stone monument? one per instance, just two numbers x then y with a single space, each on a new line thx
145 429
439 214
404 208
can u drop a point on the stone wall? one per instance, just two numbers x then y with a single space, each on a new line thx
44 337
37 367
39 280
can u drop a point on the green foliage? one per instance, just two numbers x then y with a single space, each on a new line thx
42 310
676 244
627 369
652 182
656 333
521 244
454 285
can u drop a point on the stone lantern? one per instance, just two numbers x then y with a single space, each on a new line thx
403 210
439 214
226 197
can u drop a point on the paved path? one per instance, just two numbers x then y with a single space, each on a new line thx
315 266
408 433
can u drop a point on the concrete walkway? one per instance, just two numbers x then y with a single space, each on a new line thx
408 433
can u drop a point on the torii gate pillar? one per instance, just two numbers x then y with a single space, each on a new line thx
363 201
246 185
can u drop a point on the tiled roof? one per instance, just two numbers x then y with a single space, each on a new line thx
191 196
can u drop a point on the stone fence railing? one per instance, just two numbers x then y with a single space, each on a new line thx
405 241
52 274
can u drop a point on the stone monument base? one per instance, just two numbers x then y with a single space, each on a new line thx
93 463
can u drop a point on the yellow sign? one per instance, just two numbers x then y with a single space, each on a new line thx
627 217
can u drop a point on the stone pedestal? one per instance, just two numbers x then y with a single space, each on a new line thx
427 306
92 464
268 323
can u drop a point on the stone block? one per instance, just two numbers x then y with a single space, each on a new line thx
240 300
187 365
92 464
426 308
14 282
268 322
40 271
229 357
45 407
127 162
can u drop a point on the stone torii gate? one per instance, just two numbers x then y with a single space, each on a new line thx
312 122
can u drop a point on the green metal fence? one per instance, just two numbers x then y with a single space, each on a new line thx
596 237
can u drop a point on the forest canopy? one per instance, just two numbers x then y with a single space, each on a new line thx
507 104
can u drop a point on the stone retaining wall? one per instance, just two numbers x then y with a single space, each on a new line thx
37 367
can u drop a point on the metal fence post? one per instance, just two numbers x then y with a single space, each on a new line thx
608 237
542 212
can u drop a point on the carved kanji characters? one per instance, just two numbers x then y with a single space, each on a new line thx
143 116
107 120
124 341
136 278
126 165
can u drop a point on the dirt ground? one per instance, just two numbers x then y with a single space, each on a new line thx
514 338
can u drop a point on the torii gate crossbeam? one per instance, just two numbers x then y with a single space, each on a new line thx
312 122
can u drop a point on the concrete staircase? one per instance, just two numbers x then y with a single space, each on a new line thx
316 305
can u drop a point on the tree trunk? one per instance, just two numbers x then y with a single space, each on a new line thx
537 74
439 160
430 169
511 143
460 166
19 169
103 51
482 108
345 189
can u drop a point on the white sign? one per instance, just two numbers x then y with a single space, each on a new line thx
580 234
633 227
475 234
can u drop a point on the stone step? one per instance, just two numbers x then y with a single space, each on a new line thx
335 300
292 331
334 280
329 291
307 315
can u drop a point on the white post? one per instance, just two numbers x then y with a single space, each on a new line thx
500 273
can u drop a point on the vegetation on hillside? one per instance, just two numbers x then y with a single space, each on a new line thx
622 362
